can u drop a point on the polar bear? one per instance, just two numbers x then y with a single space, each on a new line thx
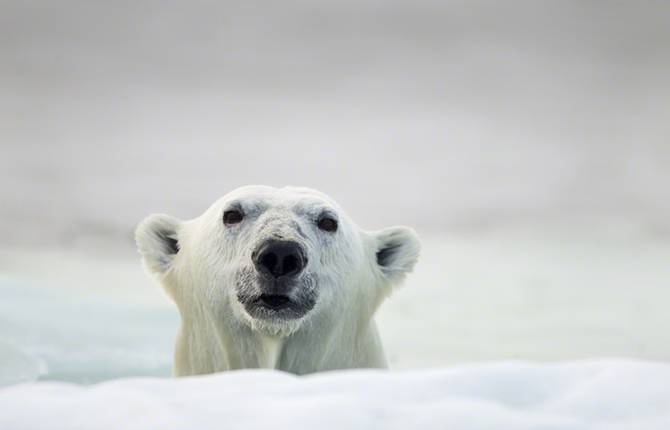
276 278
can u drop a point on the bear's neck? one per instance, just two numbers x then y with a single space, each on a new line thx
204 347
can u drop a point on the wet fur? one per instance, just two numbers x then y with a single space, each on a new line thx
206 268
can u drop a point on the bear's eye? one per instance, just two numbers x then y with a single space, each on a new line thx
232 216
327 224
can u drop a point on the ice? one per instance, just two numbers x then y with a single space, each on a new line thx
17 366
58 333
605 394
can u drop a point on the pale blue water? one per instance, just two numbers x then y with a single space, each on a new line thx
75 337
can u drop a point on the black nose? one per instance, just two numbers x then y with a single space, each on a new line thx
278 258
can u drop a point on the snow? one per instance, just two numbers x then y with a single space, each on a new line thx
611 394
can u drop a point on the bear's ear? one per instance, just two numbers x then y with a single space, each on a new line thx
157 238
397 251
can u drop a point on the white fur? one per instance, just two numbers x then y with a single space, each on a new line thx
218 334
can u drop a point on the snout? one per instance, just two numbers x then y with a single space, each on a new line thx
279 259
282 290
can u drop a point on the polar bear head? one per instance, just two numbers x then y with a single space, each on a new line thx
273 259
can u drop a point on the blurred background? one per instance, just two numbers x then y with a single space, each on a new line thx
528 142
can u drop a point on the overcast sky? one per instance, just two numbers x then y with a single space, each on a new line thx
440 114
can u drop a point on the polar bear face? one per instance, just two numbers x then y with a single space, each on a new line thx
274 260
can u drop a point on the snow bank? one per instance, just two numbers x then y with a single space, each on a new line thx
582 395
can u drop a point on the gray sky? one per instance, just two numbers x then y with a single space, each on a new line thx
443 115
